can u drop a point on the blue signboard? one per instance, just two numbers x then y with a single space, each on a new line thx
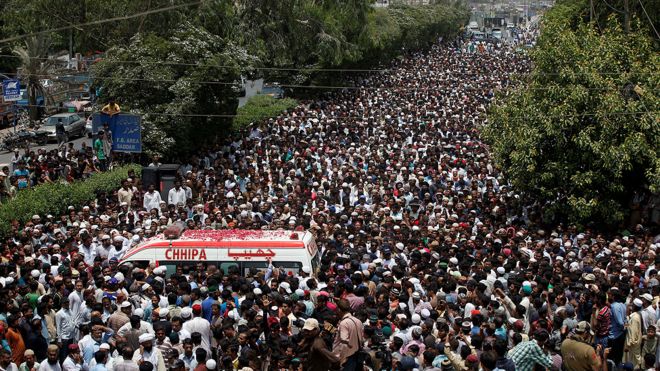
126 130
11 90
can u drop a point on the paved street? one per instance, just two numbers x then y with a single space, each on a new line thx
5 157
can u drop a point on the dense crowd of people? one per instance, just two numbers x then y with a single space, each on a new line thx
426 261
31 167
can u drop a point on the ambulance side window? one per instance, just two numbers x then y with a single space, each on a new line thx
257 266
288 266
186 266
171 269
226 266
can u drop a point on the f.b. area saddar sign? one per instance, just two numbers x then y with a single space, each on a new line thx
125 130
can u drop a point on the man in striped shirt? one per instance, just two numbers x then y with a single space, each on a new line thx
601 320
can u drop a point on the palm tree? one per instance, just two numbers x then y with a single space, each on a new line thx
35 66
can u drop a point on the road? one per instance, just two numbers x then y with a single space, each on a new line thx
5 157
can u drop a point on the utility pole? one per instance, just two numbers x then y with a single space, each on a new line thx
591 11
626 16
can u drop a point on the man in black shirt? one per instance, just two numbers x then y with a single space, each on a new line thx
60 132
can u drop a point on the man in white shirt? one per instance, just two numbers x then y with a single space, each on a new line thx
88 248
648 314
104 248
52 362
65 323
125 361
151 198
177 327
73 361
176 194
106 362
15 158
6 363
201 325
118 249
149 353
76 299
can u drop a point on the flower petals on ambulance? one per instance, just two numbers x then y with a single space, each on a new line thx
245 250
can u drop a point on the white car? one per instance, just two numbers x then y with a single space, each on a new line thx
74 125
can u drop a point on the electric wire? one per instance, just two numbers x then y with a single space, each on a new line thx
100 21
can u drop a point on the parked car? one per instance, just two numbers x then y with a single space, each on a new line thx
478 36
74 125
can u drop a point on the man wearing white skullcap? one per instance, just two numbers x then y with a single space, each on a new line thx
633 345
148 353
135 328
120 317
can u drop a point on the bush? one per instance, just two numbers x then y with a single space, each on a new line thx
55 198
261 107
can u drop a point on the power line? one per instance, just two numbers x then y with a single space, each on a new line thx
350 117
613 8
324 87
166 63
89 34
100 21
313 69
649 18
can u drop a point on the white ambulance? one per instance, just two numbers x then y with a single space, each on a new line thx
242 249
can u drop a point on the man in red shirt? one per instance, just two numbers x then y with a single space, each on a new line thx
600 320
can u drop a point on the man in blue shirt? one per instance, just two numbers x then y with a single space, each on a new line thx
101 358
617 329
22 176
207 303
100 334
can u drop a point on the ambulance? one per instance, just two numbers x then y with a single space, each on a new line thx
244 250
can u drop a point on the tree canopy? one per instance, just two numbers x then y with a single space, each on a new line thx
184 86
581 133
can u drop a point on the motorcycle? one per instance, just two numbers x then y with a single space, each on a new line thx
22 138
18 139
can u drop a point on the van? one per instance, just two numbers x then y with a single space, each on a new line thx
479 36
243 250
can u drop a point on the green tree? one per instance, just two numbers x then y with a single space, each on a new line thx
185 86
35 66
388 30
21 17
581 132
18 17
